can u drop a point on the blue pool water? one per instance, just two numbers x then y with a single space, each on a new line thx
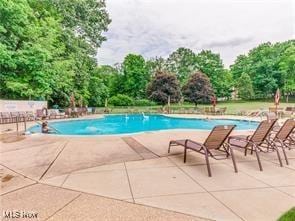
123 124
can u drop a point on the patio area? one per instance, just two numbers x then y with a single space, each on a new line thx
134 178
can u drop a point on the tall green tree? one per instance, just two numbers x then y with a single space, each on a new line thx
30 50
287 66
135 76
240 66
264 70
212 65
98 90
182 62
270 66
86 19
156 64
48 47
244 87
111 77
83 22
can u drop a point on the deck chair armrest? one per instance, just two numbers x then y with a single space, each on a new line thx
195 144
239 138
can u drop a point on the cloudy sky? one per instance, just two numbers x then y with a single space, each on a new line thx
229 27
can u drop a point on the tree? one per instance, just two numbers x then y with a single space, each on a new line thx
135 76
98 91
198 89
162 86
269 67
111 78
83 22
264 70
287 66
156 64
244 87
47 48
212 65
240 66
29 45
87 19
183 63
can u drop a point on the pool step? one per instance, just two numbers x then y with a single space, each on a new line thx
140 149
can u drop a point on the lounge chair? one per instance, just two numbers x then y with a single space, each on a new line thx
281 138
221 110
14 116
22 116
291 140
52 114
254 142
41 113
216 141
273 116
253 114
30 115
207 110
289 112
6 118
68 112
55 113
277 110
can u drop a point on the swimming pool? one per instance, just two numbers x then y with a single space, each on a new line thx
125 124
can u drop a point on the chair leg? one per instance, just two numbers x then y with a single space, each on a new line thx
226 150
233 158
258 158
208 164
284 152
184 156
169 147
278 154
246 149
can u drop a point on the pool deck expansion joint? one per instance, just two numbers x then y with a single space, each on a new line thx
139 148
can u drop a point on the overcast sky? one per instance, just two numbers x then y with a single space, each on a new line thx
229 27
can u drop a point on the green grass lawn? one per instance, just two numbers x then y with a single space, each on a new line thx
233 107
288 216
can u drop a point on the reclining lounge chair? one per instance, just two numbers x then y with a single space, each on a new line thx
216 141
254 142
282 137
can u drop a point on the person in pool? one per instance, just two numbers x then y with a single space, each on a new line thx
45 128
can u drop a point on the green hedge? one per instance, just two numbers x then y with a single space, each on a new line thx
144 102
121 100
124 100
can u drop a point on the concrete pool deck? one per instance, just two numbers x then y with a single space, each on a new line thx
81 178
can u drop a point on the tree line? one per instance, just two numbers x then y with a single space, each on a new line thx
197 77
48 47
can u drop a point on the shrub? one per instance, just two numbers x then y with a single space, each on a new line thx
144 102
121 100
288 216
